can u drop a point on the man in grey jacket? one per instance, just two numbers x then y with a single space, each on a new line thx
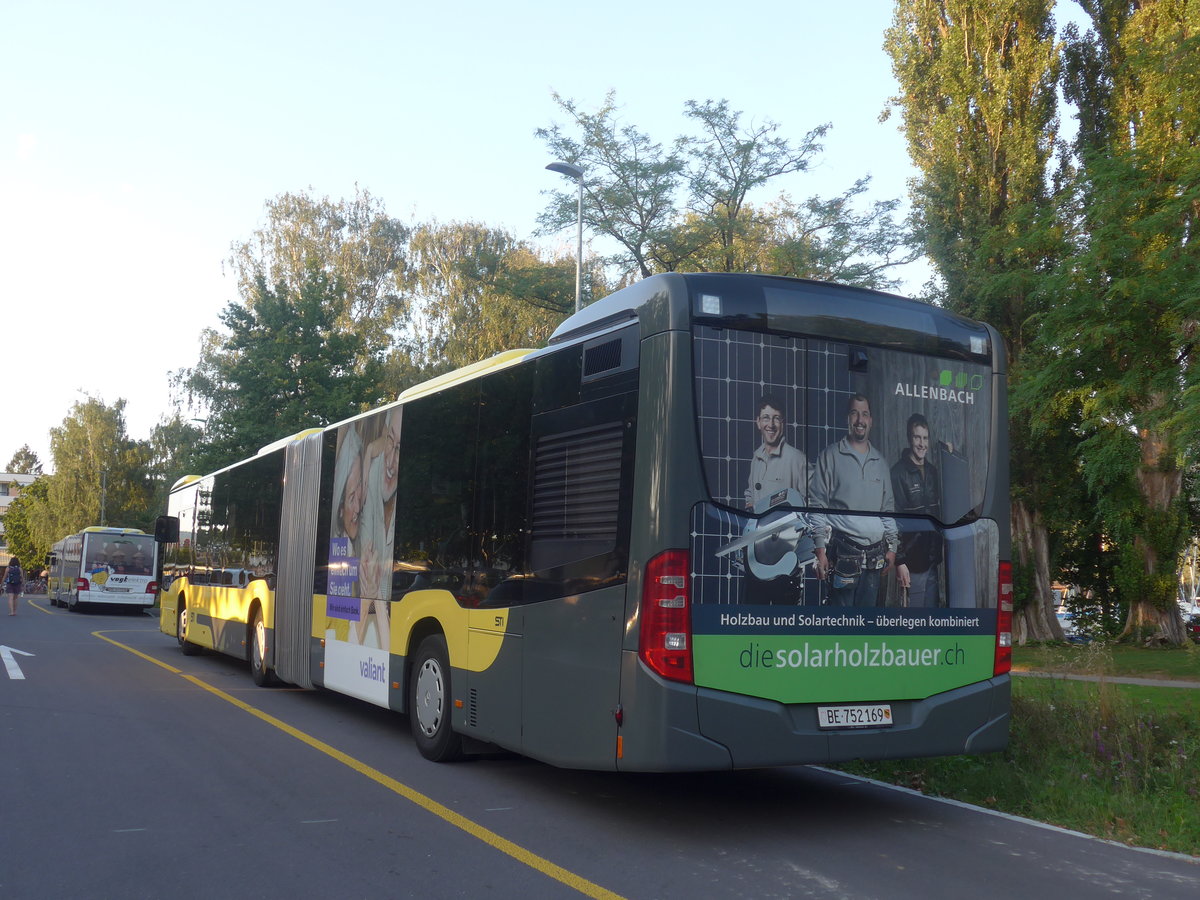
853 551
776 465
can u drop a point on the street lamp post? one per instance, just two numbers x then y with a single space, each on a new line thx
573 171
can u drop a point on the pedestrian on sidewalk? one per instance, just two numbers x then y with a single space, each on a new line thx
14 583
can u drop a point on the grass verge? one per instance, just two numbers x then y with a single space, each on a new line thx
1117 761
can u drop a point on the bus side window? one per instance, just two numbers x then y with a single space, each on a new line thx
502 473
434 546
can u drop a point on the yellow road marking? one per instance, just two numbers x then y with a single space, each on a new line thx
489 837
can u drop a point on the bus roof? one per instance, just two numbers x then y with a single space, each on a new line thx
674 300
492 364
284 441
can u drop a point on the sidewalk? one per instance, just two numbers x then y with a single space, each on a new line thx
1115 679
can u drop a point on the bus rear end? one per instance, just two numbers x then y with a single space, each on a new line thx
824 542
116 568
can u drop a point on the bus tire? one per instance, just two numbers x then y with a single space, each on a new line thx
185 646
429 702
259 671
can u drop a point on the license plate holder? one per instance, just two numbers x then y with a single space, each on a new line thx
858 715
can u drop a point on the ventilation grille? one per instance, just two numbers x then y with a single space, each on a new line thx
577 485
602 357
473 707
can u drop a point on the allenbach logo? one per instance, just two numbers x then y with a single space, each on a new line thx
952 387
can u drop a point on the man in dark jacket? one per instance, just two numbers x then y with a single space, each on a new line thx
917 490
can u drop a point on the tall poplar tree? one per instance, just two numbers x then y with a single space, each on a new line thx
1120 343
977 93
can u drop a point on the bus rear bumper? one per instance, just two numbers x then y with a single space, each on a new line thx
970 719
140 600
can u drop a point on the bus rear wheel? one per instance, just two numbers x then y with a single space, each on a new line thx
181 619
429 702
259 670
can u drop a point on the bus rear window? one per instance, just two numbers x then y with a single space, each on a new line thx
769 406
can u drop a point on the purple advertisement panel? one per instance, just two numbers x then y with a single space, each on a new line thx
362 530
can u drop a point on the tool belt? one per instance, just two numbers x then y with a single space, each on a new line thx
851 559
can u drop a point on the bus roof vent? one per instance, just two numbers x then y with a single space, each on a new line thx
610 354
602 357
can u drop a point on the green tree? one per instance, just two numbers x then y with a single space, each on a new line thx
831 240
977 93
101 475
25 462
686 206
728 161
630 184
174 447
287 362
477 291
19 532
1120 341
354 243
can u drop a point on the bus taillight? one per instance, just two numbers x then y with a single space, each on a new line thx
665 639
1004 613
81 584
152 587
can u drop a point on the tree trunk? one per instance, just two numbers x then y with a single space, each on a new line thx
1160 626
1036 620
1157 618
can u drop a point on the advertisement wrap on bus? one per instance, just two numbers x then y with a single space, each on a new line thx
719 521
763 616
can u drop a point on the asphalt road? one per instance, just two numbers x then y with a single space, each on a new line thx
128 770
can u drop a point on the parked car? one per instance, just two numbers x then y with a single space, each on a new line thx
1192 624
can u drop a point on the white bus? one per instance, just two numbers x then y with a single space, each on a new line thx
114 566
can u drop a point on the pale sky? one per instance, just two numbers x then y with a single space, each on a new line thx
139 140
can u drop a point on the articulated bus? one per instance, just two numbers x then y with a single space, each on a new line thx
103 565
719 521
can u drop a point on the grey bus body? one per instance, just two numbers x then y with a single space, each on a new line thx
578 465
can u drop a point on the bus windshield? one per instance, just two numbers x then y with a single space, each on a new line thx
122 554
769 405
